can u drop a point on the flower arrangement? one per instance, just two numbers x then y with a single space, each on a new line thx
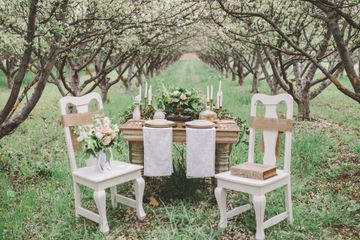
180 100
99 136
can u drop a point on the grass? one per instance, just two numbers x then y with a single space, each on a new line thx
36 195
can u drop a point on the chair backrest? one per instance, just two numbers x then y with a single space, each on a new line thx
78 105
271 125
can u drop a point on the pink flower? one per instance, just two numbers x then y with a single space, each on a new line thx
113 135
183 96
106 140
106 131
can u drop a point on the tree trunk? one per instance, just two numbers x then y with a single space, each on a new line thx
359 62
343 51
254 88
240 70
274 89
304 108
104 94
10 80
140 77
255 83
74 77
233 75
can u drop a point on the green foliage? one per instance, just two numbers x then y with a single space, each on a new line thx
147 112
181 98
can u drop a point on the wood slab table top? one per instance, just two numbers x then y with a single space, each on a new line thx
226 132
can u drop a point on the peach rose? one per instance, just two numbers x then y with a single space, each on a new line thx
113 135
183 96
106 131
106 140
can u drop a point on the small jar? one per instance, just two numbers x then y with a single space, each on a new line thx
159 114
208 115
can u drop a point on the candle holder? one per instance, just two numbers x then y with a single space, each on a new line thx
146 101
211 104
219 112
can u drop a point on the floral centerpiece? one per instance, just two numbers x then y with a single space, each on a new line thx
97 139
181 102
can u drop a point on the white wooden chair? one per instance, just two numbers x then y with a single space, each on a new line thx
89 176
257 189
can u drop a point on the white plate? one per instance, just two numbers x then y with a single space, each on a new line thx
159 123
200 124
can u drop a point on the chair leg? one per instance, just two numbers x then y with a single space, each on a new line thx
288 203
259 202
77 196
113 196
100 200
139 185
251 199
220 194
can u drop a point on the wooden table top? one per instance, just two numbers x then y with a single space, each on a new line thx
226 131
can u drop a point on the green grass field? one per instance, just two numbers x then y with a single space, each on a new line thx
36 194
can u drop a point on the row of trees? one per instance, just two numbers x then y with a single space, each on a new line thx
298 46
83 45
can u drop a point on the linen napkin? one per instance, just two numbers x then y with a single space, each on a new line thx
200 152
157 151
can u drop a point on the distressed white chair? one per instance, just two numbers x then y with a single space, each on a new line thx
257 189
89 176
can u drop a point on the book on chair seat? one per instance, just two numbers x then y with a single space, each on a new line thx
253 170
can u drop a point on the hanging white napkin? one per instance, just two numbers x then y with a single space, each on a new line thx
158 151
200 152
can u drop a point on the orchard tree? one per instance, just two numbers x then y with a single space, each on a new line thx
295 44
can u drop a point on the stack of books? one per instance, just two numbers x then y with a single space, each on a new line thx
253 170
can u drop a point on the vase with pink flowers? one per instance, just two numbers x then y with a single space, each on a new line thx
97 139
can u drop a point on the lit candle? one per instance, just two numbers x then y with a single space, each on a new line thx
211 92
146 90
221 98
150 95
220 94
207 94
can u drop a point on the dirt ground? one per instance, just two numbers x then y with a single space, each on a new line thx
189 56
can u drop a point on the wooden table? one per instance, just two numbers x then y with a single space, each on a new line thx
226 135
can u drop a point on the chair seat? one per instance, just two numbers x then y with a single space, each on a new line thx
118 168
226 176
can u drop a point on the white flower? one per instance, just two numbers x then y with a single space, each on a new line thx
106 122
82 136
99 135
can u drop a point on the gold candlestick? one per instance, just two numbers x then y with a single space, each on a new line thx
146 101
219 112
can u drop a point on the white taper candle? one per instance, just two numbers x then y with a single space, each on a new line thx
150 95
146 90
207 94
